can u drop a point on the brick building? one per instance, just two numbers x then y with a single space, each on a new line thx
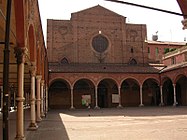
96 59
156 49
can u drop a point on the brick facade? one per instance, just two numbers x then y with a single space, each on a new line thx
98 55
72 39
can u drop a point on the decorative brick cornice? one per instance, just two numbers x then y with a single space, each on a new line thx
184 22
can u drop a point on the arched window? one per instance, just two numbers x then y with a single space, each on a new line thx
133 62
64 61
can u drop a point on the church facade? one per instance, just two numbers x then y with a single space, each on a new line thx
98 60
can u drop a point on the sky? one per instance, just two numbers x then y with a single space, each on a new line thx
167 26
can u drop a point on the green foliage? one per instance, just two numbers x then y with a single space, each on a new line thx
166 50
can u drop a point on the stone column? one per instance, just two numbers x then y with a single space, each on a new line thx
20 55
26 99
38 100
119 93
96 98
33 125
174 94
72 106
141 97
161 97
1 97
42 98
46 107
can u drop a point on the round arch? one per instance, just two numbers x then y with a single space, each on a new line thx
83 78
177 77
59 94
151 92
59 78
130 92
83 93
181 90
107 90
168 93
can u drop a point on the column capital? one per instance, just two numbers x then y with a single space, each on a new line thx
33 70
20 54
184 22
42 82
38 77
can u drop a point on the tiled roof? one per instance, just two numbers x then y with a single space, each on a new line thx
166 43
176 66
103 68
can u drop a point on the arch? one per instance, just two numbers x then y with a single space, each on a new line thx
107 78
181 90
59 94
106 90
165 78
130 90
132 61
168 93
151 92
59 78
153 79
64 61
132 78
177 77
83 93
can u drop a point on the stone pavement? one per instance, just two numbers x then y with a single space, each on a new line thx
129 123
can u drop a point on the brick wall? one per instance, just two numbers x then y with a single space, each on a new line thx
72 39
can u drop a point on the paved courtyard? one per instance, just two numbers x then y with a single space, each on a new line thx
147 123
138 123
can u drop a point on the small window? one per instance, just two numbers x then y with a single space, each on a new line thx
132 50
64 61
173 60
157 51
133 62
148 50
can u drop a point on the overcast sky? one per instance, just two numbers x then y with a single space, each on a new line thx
169 26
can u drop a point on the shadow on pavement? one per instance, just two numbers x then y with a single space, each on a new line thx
50 128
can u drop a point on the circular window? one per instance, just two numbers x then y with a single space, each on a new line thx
100 43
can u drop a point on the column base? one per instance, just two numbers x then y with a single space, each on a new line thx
175 104
39 120
20 138
42 115
119 106
96 107
161 104
141 105
72 108
33 127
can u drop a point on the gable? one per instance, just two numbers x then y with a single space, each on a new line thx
98 11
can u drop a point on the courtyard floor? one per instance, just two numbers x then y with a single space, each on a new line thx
129 123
